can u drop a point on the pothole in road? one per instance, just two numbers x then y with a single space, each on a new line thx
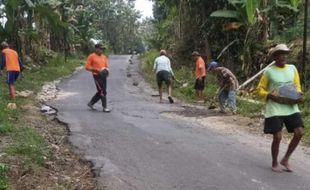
189 111
214 120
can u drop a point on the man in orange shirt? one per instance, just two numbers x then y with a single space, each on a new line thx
12 64
97 63
200 73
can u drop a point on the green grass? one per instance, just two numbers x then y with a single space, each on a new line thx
5 128
249 109
184 74
33 79
27 145
305 108
3 177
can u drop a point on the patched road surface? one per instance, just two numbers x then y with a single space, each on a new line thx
144 145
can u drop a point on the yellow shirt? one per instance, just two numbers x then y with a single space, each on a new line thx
273 78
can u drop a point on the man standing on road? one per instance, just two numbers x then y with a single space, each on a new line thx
200 73
13 66
162 67
97 63
228 86
277 114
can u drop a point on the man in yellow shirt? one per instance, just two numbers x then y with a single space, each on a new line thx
278 113
97 63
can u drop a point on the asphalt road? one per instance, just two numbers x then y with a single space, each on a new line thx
135 147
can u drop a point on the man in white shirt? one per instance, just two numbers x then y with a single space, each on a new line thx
162 67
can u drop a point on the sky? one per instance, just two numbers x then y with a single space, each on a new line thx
145 7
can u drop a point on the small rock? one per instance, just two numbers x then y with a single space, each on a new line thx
135 83
67 178
47 110
185 85
55 147
24 94
96 172
48 165
128 75
11 106
48 92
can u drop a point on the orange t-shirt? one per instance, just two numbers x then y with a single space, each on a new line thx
11 60
98 62
200 68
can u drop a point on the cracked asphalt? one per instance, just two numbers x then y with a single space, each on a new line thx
138 147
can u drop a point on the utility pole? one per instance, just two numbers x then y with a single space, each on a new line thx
304 55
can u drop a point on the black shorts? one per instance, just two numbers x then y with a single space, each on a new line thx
200 84
163 76
275 124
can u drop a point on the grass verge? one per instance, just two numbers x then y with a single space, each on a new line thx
245 108
21 141
3 177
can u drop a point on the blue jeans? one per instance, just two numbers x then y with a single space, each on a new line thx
229 97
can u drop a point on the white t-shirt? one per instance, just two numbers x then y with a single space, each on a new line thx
162 63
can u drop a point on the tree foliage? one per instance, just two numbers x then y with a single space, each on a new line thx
208 26
37 27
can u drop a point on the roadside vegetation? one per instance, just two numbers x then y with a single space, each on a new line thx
21 144
52 38
252 26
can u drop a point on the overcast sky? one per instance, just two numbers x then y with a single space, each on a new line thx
145 7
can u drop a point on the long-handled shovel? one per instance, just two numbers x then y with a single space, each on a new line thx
183 84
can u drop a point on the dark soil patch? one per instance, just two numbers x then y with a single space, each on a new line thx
193 111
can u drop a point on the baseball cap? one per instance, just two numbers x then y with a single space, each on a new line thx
212 65
99 46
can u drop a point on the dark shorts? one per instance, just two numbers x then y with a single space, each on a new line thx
163 76
275 124
200 84
12 77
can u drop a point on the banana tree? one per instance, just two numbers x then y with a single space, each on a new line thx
244 11
257 17
277 10
295 3
23 18
243 15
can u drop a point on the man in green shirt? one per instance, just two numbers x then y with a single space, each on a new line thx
279 114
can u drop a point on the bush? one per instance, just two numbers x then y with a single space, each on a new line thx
5 128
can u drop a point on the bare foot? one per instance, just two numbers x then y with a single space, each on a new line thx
276 169
286 166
